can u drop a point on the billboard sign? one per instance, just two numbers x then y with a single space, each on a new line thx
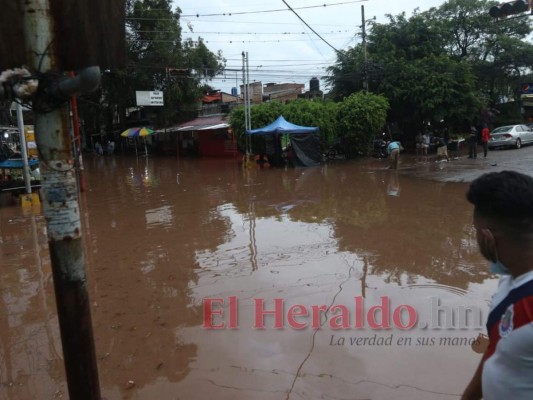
154 98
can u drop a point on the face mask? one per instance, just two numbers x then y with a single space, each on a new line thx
498 268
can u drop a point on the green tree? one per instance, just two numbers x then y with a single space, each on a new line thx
498 51
451 63
315 113
356 120
468 30
158 59
346 75
422 82
360 117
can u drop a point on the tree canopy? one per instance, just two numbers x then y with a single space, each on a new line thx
158 59
446 65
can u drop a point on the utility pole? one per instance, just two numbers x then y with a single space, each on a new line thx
60 196
365 69
245 100
249 105
49 37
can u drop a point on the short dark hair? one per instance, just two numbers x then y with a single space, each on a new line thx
506 198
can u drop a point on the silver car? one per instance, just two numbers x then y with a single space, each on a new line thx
510 136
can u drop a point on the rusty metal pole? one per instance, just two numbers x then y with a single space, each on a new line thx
61 211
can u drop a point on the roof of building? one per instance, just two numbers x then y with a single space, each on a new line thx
200 124
210 98
219 96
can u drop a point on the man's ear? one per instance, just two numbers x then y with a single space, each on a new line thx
488 235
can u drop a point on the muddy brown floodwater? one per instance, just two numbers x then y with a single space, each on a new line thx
374 275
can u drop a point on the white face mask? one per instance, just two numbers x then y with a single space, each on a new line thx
496 267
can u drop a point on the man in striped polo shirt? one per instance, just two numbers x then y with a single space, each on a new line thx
503 218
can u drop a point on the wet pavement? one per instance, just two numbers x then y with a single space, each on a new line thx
376 275
464 169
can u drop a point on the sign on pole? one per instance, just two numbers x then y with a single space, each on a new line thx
154 98
29 132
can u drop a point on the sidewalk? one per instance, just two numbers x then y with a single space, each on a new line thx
465 169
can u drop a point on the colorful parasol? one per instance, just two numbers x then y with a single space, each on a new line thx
137 132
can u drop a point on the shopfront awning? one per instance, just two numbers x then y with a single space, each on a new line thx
199 124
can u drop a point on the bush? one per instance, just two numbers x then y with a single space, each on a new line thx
361 116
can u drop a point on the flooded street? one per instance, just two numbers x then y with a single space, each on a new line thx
371 281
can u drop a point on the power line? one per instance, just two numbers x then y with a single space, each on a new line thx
240 22
268 41
268 11
233 41
249 33
306 24
259 23
267 73
262 71
283 65
273 60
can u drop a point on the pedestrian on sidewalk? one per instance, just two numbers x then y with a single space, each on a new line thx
419 144
485 136
442 149
110 147
98 149
426 141
472 141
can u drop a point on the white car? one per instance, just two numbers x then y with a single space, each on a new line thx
510 136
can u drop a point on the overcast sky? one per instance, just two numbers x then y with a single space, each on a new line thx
280 47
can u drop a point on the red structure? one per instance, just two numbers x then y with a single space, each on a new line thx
204 136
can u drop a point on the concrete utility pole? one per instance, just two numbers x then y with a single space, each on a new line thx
60 196
245 99
365 69
49 37
249 105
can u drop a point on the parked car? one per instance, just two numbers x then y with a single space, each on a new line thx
510 136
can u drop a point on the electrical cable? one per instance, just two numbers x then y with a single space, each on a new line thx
306 24
241 12
269 11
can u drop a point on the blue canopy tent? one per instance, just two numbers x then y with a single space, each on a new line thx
281 125
304 142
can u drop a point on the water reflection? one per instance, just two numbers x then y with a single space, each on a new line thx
393 187
28 325
163 234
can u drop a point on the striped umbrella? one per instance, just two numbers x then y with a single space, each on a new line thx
136 132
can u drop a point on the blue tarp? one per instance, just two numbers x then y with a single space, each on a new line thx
282 126
16 163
